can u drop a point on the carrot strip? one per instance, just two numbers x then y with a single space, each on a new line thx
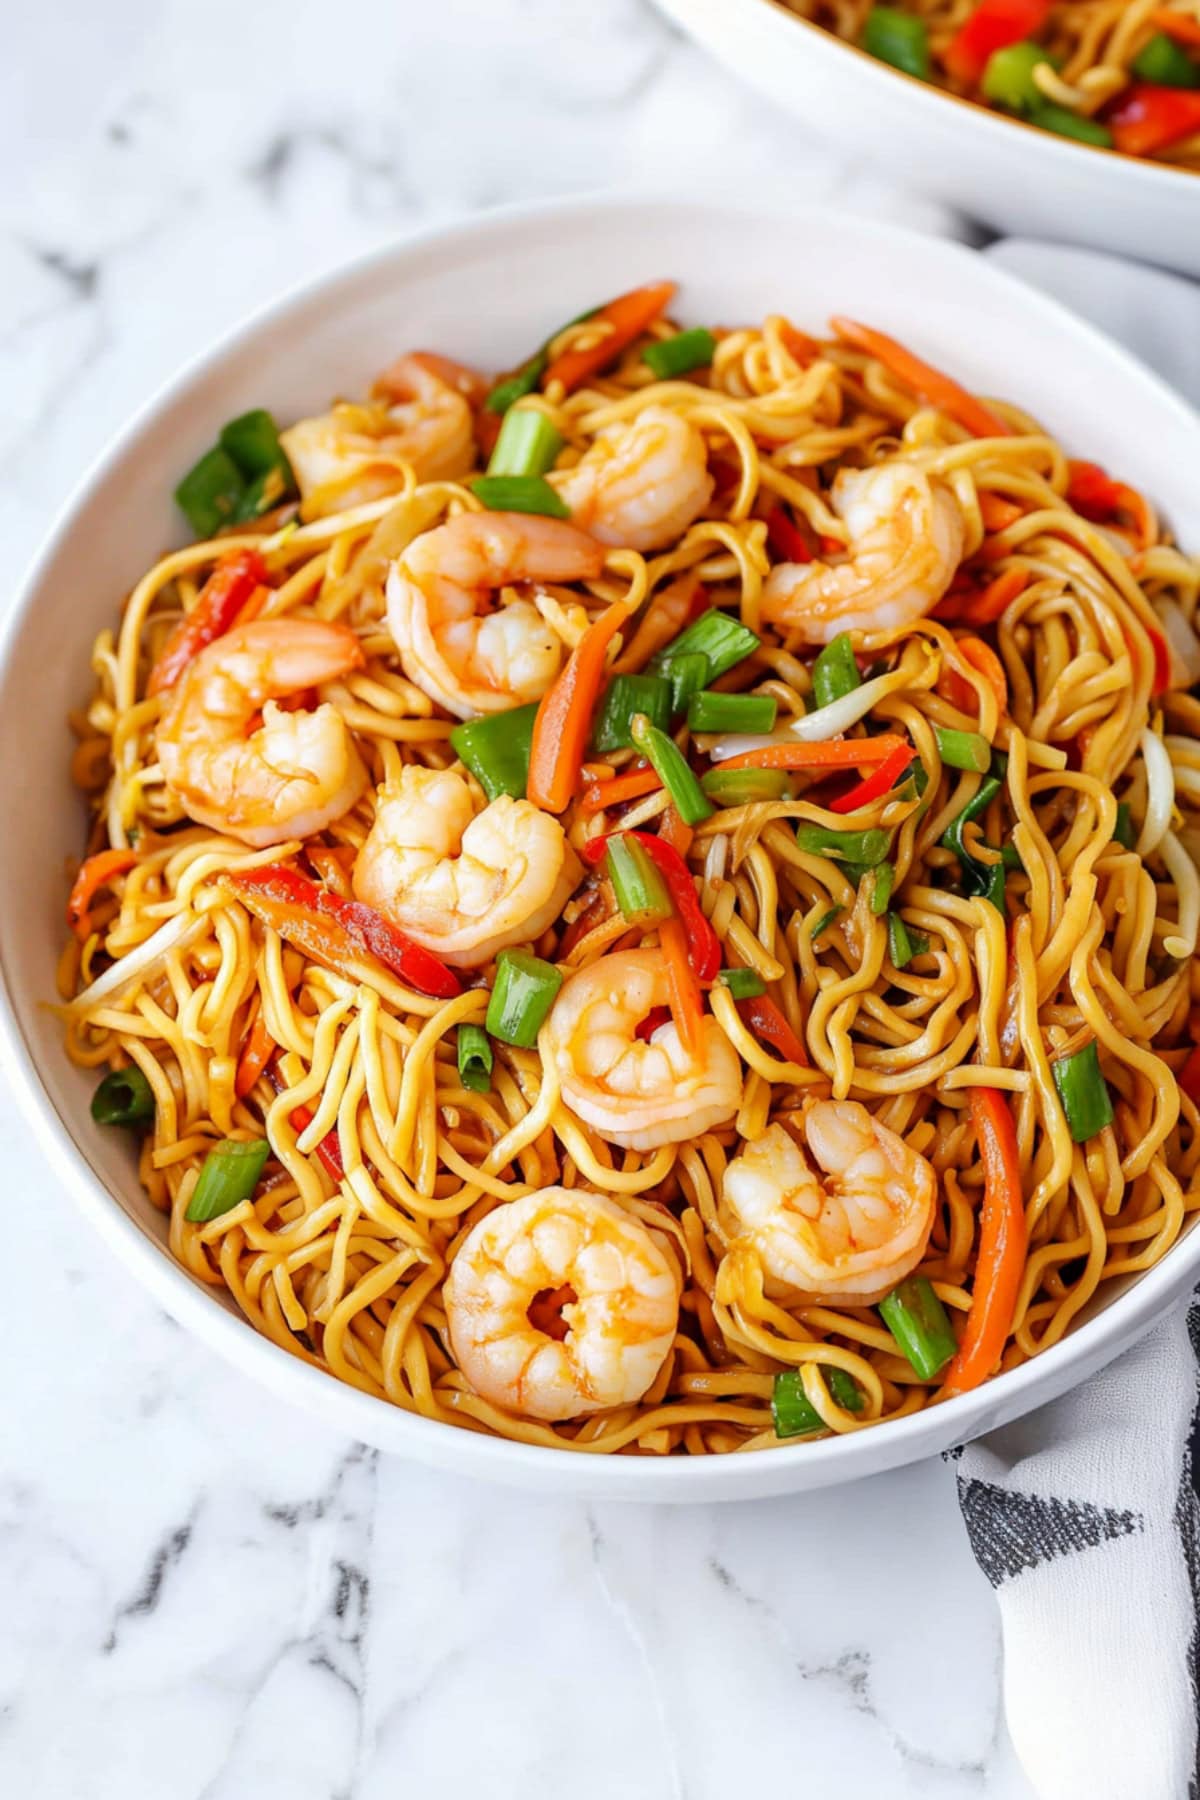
564 715
959 691
94 873
1180 26
602 794
799 346
1189 1076
928 383
673 831
629 315
1000 1262
986 607
687 1008
998 513
668 612
837 753
257 1052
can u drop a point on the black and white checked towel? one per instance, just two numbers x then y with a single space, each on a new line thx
1084 1516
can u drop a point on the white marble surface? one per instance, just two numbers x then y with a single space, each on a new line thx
201 1593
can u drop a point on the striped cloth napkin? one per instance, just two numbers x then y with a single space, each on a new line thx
1084 1516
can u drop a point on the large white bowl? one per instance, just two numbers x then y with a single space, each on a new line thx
485 292
1009 174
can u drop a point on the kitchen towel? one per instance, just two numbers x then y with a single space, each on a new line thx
1084 1515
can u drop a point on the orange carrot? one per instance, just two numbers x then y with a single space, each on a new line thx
959 691
564 715
687 1008
94 874
799 346
257 1052
998 513
985 608
665 617
1180 26
602 794
673 831
928 383
836 753
1000 1261
1189 1076
629 315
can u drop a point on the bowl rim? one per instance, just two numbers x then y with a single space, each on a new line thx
378 1421
925 94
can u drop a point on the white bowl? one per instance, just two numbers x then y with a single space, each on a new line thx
1014 176
485 292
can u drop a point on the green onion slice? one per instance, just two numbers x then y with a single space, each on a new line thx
835 672
639 889
724 641
1083 1092
731 712
520 494
918 1321
496 749
743 984
897 38
668 357
528 444
474 1058
524 991
881 887
1065 123
210 493
825 921
1165 63
964 749
740 787
124 1097
671 767
687 674
229 1176
1123 832
625 696
793 1412
252 440
903 942
977 877
867 848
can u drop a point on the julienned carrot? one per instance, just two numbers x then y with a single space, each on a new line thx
1180 26
673 831
835 753
1096 496
564 716
986 607
799 346
628 315
96 872
601 794
928 383
668 612
687 1008
998 513
257 1052
1000 1260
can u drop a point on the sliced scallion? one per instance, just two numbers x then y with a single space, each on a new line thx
963 749
669 357
474 1058
739 787
825 921
252 440
211 492
524 991
229 1176
731 712
1165 63
671 767
639 889
903 942
835 672
919 1323
1084 1092
743 984
723 640
528 444
867 848
793 1412
1123 832
520 494
881 887
495 747
124 1097
625 696
687 674
897 38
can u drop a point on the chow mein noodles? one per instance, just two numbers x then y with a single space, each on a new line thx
650 905
1118 74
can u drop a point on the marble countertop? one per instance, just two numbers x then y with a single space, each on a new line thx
201 1592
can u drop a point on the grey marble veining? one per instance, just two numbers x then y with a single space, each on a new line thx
202 1593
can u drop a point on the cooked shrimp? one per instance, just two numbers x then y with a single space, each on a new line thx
606 1286
637 1094
463 884
641 483
293 774
418 419
467 658
847 1234
906 542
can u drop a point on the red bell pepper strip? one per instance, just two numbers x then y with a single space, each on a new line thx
1148 118
646 1028
1000 1259
330 1147
94 873
994 25
1189 1076
223 598
763 1016
257 1052
785 538
336 932
929 384
564 715
629 315
877 782
703 944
